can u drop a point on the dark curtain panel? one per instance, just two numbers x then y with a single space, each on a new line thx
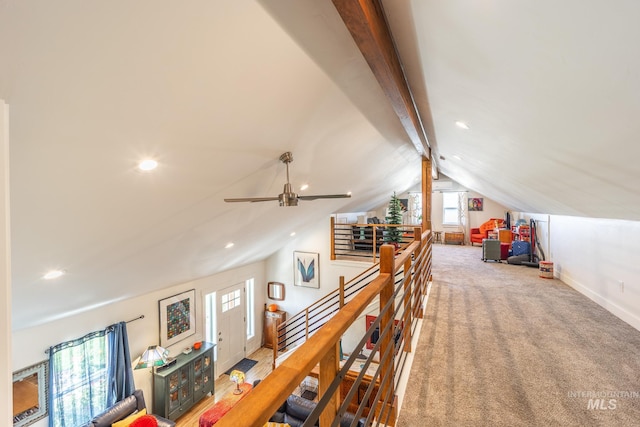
120 371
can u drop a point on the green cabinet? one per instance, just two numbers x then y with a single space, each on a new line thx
178 387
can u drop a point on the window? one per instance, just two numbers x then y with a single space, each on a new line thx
231 300
250 309
88 375
79 384
210 321
450 208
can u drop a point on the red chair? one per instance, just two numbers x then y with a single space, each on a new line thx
482 232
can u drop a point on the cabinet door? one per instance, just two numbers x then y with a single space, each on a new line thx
185 384
174 388
197 375
207 372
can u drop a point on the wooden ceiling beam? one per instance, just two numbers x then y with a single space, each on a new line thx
366 21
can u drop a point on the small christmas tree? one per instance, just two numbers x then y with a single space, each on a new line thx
394 234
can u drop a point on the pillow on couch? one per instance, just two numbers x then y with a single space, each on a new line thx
145 421
126 422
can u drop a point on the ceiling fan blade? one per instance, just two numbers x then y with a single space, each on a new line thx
325 196
252 199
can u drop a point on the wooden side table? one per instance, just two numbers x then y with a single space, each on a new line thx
454 238
437 237
272 318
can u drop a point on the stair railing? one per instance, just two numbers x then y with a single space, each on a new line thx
367 388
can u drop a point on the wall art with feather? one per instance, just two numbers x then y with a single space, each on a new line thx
306 269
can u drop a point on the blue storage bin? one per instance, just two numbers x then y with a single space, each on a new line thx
521 248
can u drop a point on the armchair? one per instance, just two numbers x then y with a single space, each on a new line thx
482 232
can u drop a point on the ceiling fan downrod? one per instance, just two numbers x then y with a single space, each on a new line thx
288 197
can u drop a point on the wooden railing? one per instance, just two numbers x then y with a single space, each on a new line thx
361 242
366 388
297 329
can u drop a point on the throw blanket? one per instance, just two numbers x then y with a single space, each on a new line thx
221 407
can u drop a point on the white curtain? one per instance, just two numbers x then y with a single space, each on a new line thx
463 214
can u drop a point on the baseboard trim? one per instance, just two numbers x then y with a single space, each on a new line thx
611 307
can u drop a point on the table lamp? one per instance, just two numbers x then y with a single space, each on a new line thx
237 377
153 356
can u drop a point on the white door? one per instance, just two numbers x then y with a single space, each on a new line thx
232 329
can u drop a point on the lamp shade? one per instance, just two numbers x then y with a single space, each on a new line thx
237 376
154 355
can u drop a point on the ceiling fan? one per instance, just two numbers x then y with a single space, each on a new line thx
288 197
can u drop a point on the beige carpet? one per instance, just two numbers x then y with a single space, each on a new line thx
503 347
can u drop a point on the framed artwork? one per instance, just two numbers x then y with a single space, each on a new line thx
30 394
177 317
306 269
475 203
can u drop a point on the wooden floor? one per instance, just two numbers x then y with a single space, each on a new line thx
224 385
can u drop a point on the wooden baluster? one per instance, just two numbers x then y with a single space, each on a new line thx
341 291
408 281
387 265
333 238
418 286
373 244
276 344
306 323
329 368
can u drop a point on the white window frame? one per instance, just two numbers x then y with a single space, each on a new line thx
452 206
250 295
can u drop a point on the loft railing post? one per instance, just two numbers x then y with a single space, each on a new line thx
426 276
408 282
276 344
419 275
426 194
374 243
387 265
333 238
306 323
341 291
329 368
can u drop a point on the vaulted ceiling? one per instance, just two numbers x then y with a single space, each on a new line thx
216 90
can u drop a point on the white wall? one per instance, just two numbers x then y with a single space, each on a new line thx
6 377
593 256
29 345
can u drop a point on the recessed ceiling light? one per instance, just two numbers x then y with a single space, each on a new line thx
229 245
455 156
304 187
462 125
147 165
53 274
293 233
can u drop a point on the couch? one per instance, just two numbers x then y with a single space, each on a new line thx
124 408
476 235
296 409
